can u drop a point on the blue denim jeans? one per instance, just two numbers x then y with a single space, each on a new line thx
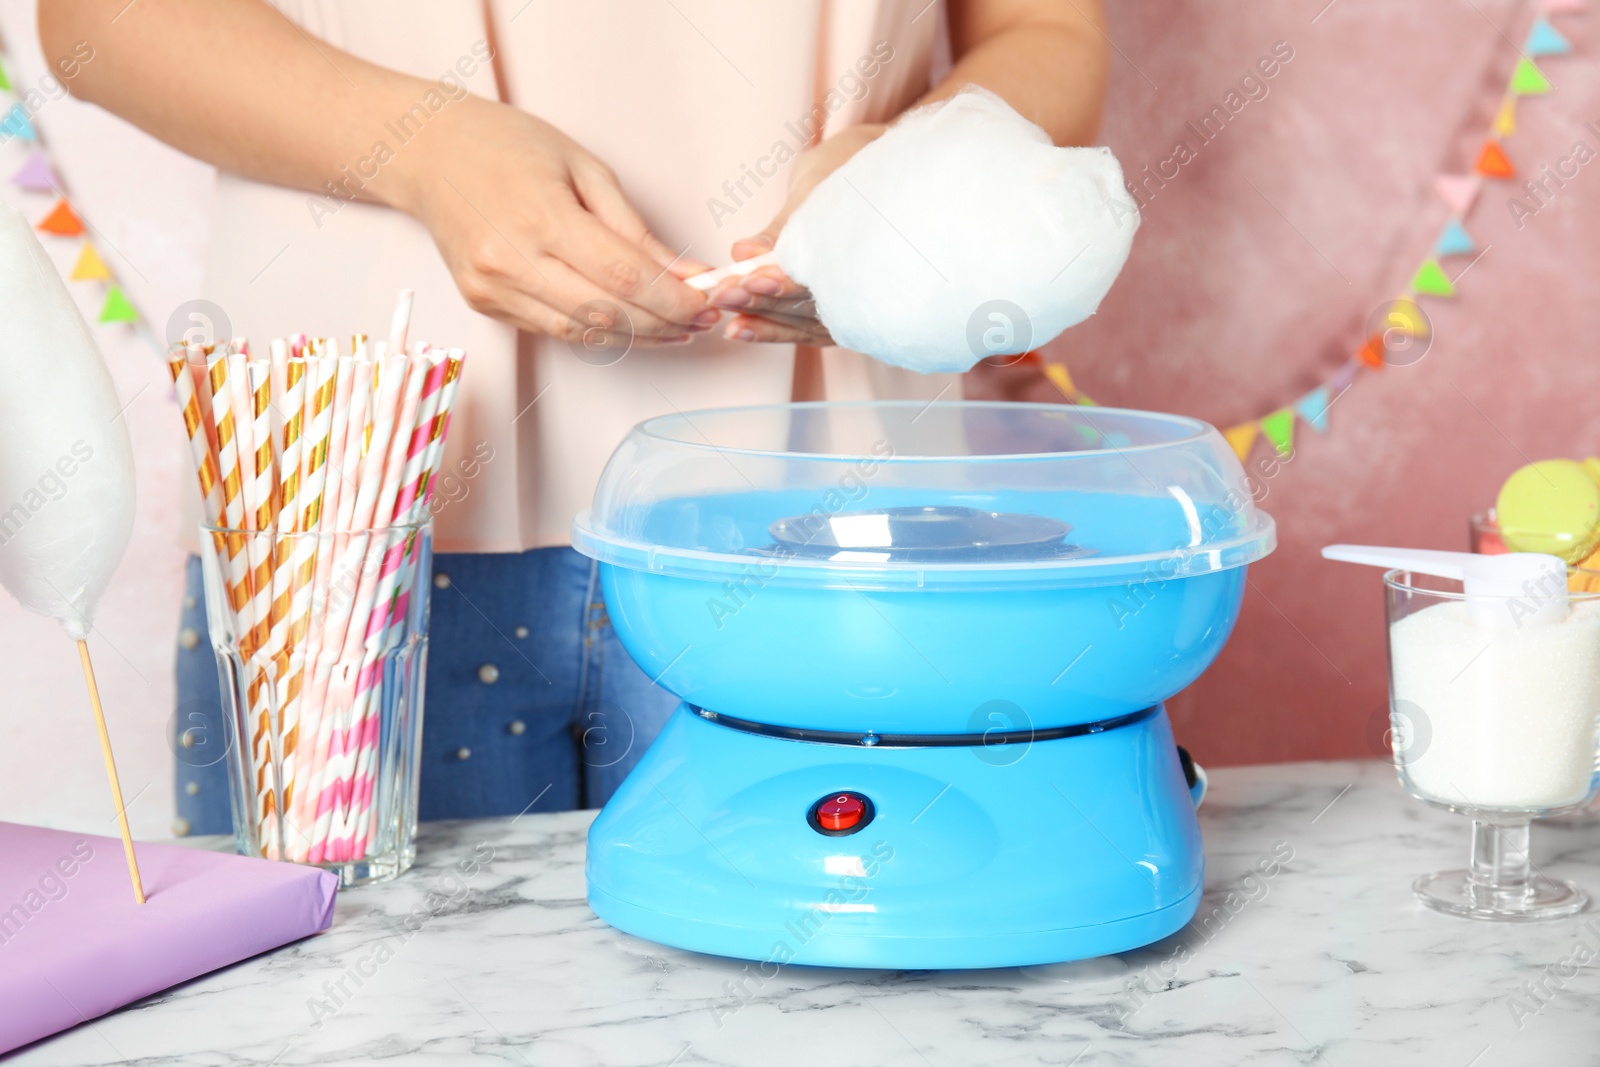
531 702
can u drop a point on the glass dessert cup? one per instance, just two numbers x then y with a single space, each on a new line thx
1484 529
1500 724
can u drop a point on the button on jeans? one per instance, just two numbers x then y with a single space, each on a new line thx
531 702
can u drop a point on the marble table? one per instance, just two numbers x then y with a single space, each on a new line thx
487 953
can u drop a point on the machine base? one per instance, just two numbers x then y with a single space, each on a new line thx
984 856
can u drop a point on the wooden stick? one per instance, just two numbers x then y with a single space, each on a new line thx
111 769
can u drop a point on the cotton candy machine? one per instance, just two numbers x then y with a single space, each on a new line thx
922 650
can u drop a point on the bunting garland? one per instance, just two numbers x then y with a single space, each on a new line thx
1458 192
57 217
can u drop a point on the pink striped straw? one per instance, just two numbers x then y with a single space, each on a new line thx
374 490
370 617
343 580
390 592
327 545
435 428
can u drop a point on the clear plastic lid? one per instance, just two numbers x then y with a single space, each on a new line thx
914 495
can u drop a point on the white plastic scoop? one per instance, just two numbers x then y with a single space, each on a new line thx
1508 591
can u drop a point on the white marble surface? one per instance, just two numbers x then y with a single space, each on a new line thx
1329 961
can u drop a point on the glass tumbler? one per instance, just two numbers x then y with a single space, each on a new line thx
322 644
1498 722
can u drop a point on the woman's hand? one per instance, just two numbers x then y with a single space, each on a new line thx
538 233
768 305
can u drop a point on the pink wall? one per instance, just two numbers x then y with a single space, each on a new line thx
1237 299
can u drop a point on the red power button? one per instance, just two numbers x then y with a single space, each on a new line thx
841 813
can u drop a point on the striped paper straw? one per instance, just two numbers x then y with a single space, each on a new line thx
312 562
368 622
411 478
343 580
414 511
360 566
260 496
231 481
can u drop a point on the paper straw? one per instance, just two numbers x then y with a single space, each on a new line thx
199 446
413 512
359 565
231 481
260 486
377 585
400 324
330 407
196 357
411 478
344 579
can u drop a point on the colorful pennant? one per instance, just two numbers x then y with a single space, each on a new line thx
1432 280
17 124
5 82
90 267
1493 161
1505 122
1454 241
1242 438
1371 352
1458 191
1313 408
1404 315
1278 428
1529 80
36 174
1545 40
62 221
117 307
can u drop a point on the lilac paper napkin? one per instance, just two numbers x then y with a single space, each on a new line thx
74 945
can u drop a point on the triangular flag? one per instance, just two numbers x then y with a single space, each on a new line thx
117 307
1242 437
1343 376
1279 429
1313 407
90 267
1404 315
1372 351
1432 280
1493 162
35 174
1458 191
16 124
1563 7
1454 241
1058 376
61 221
5 82
1505 121
1529 80
1545 40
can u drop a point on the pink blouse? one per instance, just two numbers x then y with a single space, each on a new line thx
698 105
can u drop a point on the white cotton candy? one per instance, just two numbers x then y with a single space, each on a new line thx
961 233
66 466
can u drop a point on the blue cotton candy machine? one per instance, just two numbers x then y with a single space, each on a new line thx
922 650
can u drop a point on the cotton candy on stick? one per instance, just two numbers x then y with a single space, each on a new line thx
66 465
913 244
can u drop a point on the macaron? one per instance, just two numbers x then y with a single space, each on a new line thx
1551 506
